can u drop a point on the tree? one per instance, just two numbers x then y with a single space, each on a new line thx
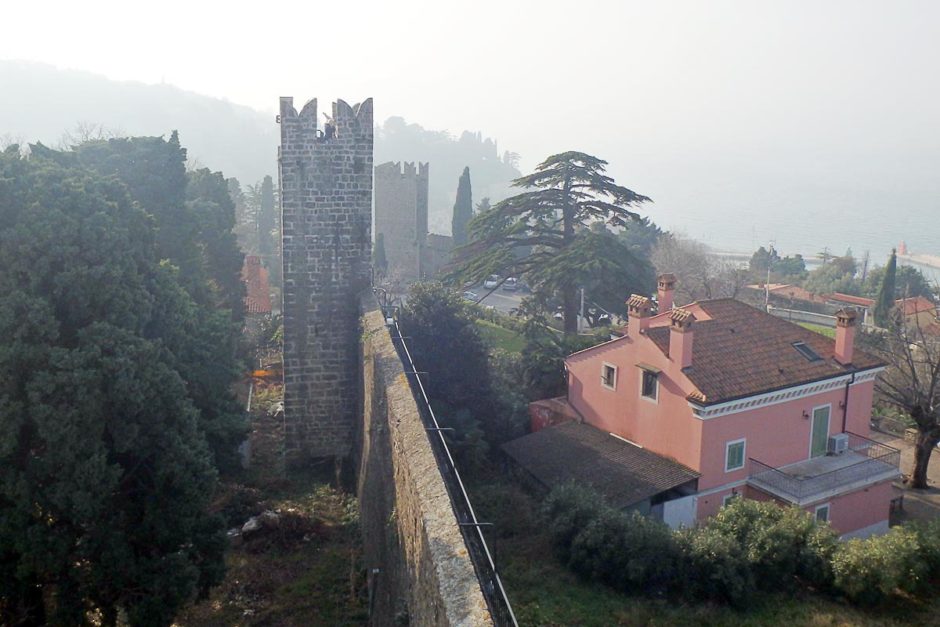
700 275
440 325
193 217
838 275
105 472
483 205
379 258
211 205
267 220
911 381
884 301
543 234
909 282
463 209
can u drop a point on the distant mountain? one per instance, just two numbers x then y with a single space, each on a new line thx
42 103
490 172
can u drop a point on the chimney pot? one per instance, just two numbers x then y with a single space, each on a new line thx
845 335
638 308
665 286
681 336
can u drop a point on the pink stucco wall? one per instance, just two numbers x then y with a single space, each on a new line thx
665 426
860 509
847 512
776 435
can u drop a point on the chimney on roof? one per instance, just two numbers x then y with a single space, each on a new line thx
845 335
638 310
666 285
680 337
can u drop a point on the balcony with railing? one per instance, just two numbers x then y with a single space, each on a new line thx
865 463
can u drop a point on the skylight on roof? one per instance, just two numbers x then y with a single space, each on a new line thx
803 349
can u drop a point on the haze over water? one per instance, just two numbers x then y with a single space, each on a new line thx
813 125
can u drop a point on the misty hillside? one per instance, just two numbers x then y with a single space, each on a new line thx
42 103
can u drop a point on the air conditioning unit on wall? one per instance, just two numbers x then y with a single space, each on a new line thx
839 443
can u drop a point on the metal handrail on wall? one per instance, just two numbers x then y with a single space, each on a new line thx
470 526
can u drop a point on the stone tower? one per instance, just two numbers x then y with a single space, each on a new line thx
401 215
326 212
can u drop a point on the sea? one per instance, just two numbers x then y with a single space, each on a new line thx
810 230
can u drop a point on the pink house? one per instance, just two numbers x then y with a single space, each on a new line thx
746 403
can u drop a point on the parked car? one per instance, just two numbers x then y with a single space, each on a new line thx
468 295
511 284
491 281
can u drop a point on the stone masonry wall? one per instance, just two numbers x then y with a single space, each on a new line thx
326 210
419 566
401 215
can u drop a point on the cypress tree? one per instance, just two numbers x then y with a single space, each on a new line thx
379 260
266 218
885 300
463 209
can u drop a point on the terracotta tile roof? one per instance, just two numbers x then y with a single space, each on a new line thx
258 294
861 301
786 290
621 472
743 351
915 305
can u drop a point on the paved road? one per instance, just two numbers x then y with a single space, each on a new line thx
503 301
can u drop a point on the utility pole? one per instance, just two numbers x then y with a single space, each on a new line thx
581 318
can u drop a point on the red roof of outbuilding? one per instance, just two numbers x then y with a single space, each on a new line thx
255 276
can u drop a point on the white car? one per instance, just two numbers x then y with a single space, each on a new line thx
511 284
491 281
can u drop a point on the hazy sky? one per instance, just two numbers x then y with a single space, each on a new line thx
712 108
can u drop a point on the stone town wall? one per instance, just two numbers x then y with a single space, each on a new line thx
410 532
326 210
401 216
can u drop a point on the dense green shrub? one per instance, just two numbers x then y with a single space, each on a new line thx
568 509
713 567
869 570
629 552
928 536
780 544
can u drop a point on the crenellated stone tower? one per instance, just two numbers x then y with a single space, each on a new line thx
325 179
401 216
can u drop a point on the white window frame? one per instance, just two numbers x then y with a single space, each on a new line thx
728 446
655 397
825 506
812 425
604 367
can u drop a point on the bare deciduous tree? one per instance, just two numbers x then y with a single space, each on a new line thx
911 383
701 275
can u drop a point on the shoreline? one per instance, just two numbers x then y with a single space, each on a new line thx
931 261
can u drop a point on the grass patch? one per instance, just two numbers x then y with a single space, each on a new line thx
544 592
820 329
499 337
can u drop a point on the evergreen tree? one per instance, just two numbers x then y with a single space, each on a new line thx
267 220
379 259
105 473
543 234
483 206
193 216
211 205
884 302
463 209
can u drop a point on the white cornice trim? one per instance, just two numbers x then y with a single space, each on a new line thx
706 412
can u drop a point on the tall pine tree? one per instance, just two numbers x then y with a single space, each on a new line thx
463 209
266 218
884 302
